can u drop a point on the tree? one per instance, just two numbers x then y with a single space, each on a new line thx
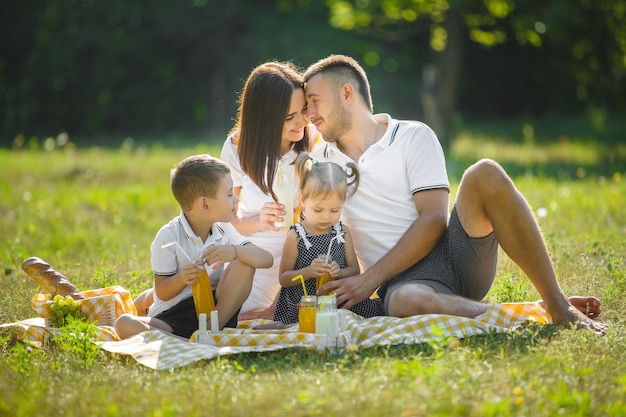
586 34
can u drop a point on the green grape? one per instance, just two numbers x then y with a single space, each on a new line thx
63 307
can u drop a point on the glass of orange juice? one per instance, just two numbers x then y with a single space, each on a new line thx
323 279
306 313
202 292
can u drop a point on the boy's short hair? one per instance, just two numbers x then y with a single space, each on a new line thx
196 176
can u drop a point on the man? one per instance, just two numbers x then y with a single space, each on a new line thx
420 259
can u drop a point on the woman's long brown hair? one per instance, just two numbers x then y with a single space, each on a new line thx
263 107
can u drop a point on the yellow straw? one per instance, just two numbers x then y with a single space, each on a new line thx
301 278
280 174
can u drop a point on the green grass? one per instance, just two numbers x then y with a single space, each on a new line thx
93 213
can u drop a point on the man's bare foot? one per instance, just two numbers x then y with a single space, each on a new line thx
573 316
589 306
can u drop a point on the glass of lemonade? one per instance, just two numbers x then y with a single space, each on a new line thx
323 279
202 292
306 313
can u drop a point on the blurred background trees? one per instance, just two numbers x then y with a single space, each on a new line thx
155 69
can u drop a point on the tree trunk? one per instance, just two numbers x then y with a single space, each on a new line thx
440 82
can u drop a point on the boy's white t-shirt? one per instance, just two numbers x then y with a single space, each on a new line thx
407 159
170 260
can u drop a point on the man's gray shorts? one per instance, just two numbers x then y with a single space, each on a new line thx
458 264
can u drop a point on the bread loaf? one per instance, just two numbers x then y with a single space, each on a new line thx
48 279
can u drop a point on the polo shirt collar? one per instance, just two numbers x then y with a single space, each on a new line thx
383 142
216 230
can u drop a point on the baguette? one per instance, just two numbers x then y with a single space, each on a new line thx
48 279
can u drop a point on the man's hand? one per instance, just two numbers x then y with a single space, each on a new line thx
349 290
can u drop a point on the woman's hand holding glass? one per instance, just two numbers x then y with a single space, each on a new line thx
271 213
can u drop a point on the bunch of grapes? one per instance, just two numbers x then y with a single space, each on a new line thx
63 307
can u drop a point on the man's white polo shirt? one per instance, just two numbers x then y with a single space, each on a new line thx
407 159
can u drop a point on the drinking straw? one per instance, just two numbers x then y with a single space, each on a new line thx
301 278
332 239
179 247
327 300
280 172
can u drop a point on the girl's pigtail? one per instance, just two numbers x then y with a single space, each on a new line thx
303 164
353 176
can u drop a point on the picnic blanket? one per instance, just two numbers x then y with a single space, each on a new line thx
158 350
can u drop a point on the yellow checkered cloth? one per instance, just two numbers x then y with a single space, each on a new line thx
158 350
37 332
102 305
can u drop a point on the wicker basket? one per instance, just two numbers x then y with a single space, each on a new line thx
104 317
102 305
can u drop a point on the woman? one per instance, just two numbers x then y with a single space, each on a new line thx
271 130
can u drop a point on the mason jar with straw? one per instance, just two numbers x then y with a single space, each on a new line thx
327 318
307 309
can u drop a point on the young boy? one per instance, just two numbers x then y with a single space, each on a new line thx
203 188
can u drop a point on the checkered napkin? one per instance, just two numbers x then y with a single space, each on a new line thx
158 350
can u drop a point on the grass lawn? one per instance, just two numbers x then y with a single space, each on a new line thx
92 213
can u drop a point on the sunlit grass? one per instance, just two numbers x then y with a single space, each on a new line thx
564 158
93 213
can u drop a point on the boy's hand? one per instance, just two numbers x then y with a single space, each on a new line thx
190 274
218 255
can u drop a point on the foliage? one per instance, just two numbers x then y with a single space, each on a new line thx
136 68
154 70
588 35
78 338
92 214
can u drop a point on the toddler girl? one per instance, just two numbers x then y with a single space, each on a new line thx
323 190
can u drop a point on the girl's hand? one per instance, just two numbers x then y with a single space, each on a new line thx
270 213
318 267
190 274
334 270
